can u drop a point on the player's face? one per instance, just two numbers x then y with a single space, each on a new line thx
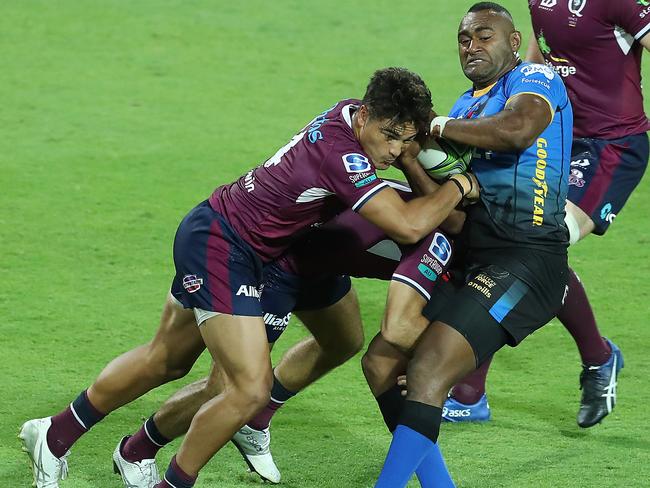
382 140
487 42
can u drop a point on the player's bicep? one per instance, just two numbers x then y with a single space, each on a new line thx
533 113
386 210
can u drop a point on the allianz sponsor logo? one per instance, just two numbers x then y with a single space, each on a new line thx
278 323
248 291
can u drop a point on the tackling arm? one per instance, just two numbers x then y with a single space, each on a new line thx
513 129
408 222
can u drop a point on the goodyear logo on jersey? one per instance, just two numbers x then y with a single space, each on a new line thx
540 189
356 163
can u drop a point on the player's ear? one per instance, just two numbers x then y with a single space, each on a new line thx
515 41
363 114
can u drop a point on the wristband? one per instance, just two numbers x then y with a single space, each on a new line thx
459 186
440 121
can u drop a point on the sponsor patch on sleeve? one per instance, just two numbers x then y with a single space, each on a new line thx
356 163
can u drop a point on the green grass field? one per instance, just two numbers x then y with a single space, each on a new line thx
117 117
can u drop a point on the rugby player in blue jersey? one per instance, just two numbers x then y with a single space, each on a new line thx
609 157
519 118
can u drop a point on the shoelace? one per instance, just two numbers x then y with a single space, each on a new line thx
259 446
62 468
590 377
148 470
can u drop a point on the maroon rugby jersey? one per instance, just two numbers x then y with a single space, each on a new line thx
347 245
320 172
593 45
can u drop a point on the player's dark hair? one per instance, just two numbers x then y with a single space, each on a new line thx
494 7
399 95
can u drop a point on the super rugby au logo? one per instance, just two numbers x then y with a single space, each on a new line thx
356 163
192 283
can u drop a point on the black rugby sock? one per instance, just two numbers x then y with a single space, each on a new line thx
390 404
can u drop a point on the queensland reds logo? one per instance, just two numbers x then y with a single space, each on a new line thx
191 283
576 6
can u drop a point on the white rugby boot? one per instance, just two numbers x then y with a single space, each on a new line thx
141 474
254 446
46 467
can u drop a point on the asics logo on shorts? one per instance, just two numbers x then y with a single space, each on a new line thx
191 283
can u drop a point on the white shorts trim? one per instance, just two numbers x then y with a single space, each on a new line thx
203 315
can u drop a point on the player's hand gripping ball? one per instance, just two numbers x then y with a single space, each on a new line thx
442 158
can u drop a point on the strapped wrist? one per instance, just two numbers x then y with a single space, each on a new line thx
440 121
455 178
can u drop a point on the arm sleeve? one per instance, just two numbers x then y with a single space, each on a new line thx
351 176
540 80
633 16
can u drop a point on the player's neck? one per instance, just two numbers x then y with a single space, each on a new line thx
507 69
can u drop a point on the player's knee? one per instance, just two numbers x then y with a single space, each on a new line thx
253 396
162 362
401 329
393 333
428 382
346 347
371 366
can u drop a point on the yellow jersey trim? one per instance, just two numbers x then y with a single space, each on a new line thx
483 91
550 105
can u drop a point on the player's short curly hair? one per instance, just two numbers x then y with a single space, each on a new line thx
494 7
399 95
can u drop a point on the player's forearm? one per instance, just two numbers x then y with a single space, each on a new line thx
504 132
426 213
421 184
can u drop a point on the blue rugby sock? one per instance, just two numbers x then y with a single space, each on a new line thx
414 440
407 450
432 471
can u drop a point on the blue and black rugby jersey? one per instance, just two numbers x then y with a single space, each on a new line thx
522 194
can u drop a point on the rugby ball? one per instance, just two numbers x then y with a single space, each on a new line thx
441 158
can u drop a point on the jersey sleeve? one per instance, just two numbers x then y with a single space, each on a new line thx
633 16
460 105
540 80
351 177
